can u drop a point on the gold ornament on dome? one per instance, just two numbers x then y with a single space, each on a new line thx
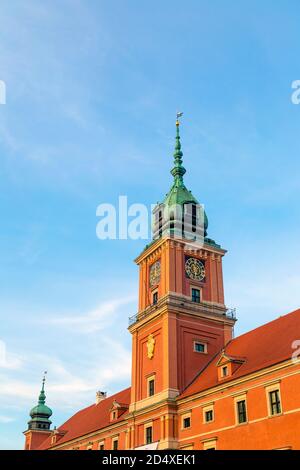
150 346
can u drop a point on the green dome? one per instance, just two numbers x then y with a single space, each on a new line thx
40 411
179 194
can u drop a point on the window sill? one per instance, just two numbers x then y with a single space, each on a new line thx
275 416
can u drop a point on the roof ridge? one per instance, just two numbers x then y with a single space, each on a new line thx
94 405
263 325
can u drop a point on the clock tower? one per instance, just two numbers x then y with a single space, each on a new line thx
182 321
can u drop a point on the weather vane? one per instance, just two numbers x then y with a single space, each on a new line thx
178 115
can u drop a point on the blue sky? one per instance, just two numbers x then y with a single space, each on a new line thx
92 91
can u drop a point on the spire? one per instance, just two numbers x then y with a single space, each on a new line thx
42 396
177 201
178 170
40 413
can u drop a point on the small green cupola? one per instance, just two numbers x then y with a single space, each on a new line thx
40 413
180 214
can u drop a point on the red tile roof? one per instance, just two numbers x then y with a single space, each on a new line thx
90 419
262 347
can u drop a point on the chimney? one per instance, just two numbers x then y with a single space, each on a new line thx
100 396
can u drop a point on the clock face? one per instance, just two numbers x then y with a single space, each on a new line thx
155 273
195 269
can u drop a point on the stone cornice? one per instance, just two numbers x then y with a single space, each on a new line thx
181 305
203 251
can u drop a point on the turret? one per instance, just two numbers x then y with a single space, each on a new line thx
180 215
39 424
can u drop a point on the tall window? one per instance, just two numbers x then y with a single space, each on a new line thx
194 218
209 416
149 435
172 225
196 295
115 444
241 411
224 371
186 422
151 384
155 298
275 405
160 223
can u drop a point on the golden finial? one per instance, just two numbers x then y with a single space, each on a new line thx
178 115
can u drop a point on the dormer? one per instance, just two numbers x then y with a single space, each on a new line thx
116 410
227 365
57 435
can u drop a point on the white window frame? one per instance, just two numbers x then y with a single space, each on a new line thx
191 293
238 398
101 443
146 426
210 444
199 341
113 440
151 377
205 410
222 371
269 389
185 416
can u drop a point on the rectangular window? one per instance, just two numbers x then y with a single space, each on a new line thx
196 295
101 447
115 444
199 347
186 422
151 387
241 411
172 225
194 218
149 435
160 223
224 371
275 405
210 444
155 298
209 416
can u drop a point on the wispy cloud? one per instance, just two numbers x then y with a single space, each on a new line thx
66 388
8 360
72 380
6 419
97 319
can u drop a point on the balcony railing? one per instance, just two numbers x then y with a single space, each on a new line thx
229 313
